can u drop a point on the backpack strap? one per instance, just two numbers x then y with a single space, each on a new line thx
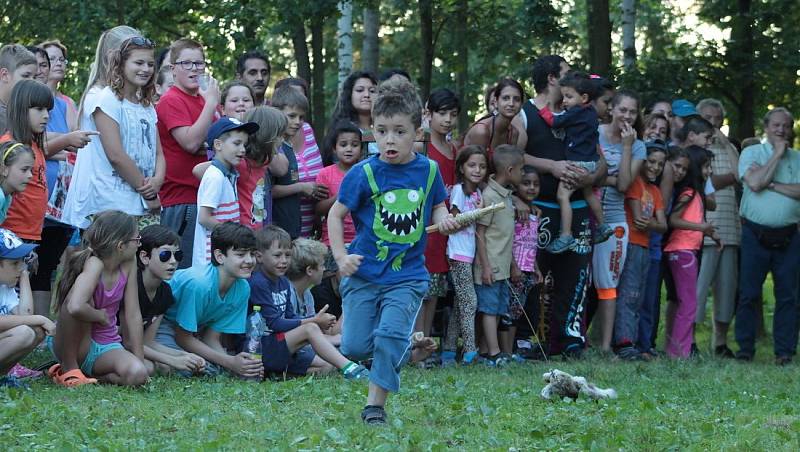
371 180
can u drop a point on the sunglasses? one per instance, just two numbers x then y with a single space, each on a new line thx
166 255
140 41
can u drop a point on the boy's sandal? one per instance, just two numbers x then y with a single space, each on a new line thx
53 372
73 378
373 415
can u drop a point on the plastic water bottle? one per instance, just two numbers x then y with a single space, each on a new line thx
255 329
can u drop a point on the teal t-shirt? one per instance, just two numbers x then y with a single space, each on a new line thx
5 203
198 304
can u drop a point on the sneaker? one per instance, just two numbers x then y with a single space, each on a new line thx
783 360
517 358
743 356
448 358
373 415
629 353
602 233
20 371
722 351
561 244
469 358
355 371
497 360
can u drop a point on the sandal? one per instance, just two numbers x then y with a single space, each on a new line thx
53 372
373 415
73 378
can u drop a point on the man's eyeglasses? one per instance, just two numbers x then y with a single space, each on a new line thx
166 255
189 65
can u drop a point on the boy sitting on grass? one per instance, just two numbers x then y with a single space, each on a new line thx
211 300
391 197
291 343
305 271
158 258
20 331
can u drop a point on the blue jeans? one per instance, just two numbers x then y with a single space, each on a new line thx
378 322
630 292
650 309
755 262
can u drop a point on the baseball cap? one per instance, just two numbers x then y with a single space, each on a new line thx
226 124
11 247
683 108
656 144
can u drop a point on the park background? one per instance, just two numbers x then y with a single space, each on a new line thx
744 52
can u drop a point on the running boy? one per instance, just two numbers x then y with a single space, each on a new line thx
392 197
579 122
211 300
494 240
291 342
217 200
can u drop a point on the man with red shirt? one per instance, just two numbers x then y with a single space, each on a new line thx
185 113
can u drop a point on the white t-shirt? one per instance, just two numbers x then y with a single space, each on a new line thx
461 245
9 299
217 191
96 185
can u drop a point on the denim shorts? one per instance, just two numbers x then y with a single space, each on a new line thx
493 299
95 351
277 358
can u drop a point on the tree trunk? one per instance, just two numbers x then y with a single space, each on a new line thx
741 59
598 26
629 34
301 51
318 77
426 31
344 35
462 50
370 52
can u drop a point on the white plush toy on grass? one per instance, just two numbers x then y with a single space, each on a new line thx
561 384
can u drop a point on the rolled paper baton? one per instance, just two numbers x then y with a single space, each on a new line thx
466 218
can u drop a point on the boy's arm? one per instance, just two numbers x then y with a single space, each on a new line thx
297 188
444 220
659 222
483 258
209 348
25 306
10 321
279 165
133 316
205 216
200 169
191 138
348 263
208 197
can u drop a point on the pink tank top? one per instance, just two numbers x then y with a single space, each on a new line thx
108 301
686 239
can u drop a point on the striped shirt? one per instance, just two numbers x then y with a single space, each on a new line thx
217 191
309 164
726 215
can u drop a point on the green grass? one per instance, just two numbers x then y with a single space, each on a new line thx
702 404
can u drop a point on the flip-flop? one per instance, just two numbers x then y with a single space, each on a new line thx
73 378
54 371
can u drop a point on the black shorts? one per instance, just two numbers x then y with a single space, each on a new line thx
277 358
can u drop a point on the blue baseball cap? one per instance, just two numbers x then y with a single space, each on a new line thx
683 108
11 247
226 124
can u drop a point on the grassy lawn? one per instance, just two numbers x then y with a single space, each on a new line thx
702 404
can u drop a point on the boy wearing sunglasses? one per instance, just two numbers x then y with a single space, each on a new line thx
157 258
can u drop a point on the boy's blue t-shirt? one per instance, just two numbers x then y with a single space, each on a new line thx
390 206
198 304
275 300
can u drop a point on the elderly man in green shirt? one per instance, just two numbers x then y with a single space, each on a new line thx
770 209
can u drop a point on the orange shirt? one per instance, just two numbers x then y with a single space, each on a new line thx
26 215
649 197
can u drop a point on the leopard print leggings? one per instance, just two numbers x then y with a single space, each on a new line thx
462 319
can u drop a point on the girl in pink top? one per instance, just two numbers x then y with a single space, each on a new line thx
309 165
90 296
686 239
344 142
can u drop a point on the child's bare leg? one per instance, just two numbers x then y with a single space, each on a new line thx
335 340
594 204
120 367
71 341
311 334
489 323
16 343
562 195
377 395
424 320
606 310
507 340
320 367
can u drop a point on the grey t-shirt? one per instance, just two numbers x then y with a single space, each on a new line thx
613 200
3 120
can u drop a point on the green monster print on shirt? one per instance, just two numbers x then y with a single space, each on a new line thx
399 216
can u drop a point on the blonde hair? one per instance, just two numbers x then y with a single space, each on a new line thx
109 41
271 126
305 253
